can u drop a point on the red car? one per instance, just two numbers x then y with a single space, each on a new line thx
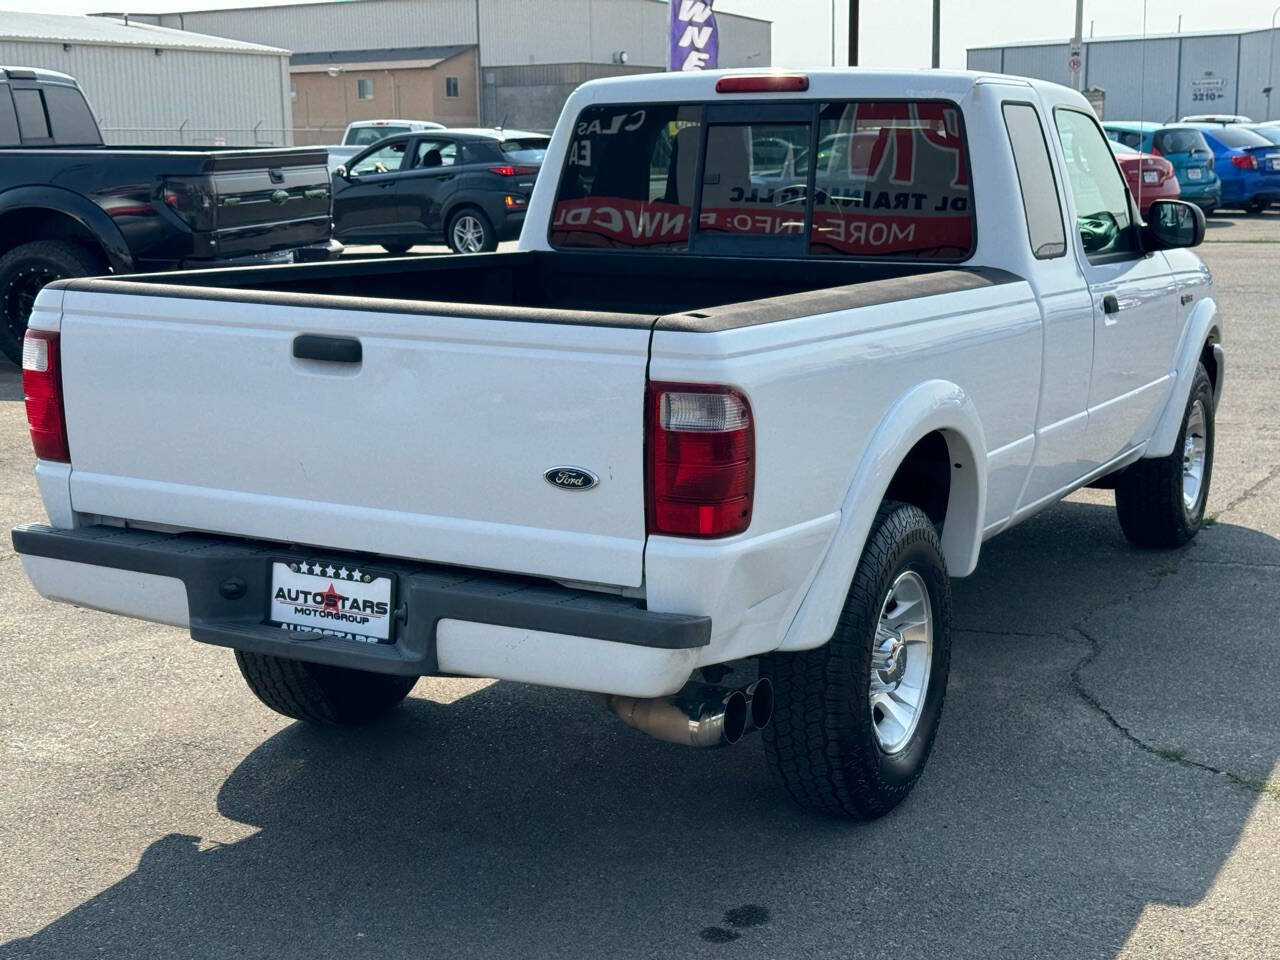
1149 177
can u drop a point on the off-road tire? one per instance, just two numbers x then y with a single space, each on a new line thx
822 744
38 262
320 694
1149 500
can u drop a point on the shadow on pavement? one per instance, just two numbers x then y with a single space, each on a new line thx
10 381
519 822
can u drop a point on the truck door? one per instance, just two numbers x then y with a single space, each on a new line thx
1062 420
1135 316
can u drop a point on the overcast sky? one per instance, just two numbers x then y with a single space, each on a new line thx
894 32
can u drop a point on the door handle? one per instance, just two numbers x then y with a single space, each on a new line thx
1110 304
313 346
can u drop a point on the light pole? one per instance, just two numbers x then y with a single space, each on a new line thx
833 32
1076 48
1271 68
937 34
853 33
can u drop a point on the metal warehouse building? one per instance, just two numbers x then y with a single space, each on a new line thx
152 85
377 58
1158 78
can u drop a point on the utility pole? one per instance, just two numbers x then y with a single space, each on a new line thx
833 32
937 34
1271 66
853 33
1075 53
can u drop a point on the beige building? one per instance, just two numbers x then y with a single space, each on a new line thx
330 91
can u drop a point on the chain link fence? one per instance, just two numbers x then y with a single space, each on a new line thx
186 135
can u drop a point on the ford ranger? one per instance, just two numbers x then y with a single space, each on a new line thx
776 354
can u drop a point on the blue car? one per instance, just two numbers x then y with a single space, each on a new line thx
1183 146
1248 165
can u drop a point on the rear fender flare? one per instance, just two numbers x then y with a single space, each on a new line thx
936 405
1204 326
84 211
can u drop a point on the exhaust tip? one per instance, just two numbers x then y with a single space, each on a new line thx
735 717
761 703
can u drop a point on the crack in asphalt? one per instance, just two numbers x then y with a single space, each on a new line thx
1076 634
1172 756
1272 474
1261 564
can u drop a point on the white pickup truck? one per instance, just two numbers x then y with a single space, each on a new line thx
776 355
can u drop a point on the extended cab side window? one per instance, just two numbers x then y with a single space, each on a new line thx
8 120
1103 213
1036 180
32 121
70 118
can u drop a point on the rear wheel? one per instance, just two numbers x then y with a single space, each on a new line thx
854 720
25 270
320 694
1160 502
470 231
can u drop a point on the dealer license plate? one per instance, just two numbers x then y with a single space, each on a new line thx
1195 173
336 599
1150 176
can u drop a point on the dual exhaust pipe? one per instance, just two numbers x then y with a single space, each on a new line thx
701 714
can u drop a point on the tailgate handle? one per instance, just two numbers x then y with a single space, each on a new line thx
313 346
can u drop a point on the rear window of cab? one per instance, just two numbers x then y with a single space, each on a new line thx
859 178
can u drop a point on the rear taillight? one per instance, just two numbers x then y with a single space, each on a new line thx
700 461
1244 161
191 198
507 170
42 386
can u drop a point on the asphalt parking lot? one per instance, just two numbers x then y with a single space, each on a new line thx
1105 782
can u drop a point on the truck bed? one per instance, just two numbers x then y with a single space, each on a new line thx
685 293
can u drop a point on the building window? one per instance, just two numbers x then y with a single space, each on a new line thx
293 90
450 86
364 89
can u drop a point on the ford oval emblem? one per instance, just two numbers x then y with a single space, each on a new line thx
571 478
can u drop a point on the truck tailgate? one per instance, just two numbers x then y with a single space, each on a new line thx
195 412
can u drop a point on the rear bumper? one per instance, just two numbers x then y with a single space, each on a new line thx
449 620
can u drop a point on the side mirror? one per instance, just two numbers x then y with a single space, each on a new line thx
1174 223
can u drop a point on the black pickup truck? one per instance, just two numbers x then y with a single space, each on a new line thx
71 207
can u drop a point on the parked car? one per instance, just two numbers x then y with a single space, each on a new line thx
467 188
1183 146
1248 164
1150 178
708 453
365 133
1220 119
70 207
1268 131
